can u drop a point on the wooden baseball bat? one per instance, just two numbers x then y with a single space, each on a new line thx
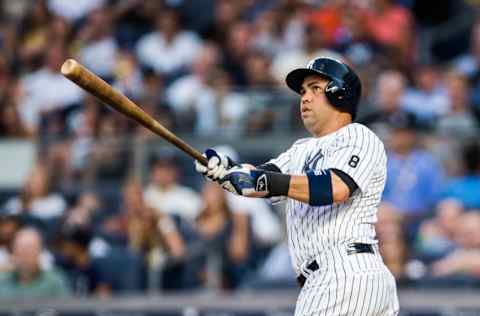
90 82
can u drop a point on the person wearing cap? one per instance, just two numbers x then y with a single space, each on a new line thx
333 183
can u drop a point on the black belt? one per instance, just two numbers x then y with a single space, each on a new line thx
351 249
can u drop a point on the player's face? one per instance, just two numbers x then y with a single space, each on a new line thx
315 109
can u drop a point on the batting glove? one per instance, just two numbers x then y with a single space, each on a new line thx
246 182
217 165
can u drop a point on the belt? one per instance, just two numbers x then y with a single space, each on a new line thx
351 249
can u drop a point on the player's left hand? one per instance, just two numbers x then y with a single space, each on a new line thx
216 167
245 181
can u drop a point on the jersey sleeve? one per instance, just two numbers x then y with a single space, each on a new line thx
357 154
282 161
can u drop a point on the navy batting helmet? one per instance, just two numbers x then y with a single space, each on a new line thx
344 89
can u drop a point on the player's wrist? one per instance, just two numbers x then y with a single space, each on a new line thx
275 183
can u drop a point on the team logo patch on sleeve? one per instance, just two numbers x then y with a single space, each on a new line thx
262 183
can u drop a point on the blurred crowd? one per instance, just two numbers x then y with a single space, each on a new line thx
84 223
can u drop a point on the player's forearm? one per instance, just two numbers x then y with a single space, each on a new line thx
298 189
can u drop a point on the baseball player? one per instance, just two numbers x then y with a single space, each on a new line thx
333 182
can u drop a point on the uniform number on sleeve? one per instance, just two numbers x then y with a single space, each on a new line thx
354 160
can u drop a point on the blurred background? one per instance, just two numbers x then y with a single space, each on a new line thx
94 208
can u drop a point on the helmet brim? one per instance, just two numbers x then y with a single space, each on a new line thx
295 77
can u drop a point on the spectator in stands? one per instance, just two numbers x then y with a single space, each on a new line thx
459 121
9 226
98 49
258 71
146 231
6 80
219 108
275 272
313 46
415 176
46 91
109 156
85 212
183 92
469 63
388 96
11 126
34 37
464 262
9 43
74 11
428 100
391 25
226 14
436 236
236 49
153 86
28 279
227 234
152 236
354 41
166 195
279 28
466 187
85 272
133 19
128 77
327 20
96 269
83 126
262 85
60 31
169 49
36 201
266 229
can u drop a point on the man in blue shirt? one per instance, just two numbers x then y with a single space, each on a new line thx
415 176
467 187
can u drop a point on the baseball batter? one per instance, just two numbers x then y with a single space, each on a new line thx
333 182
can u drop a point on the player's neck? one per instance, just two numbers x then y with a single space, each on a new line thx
336 122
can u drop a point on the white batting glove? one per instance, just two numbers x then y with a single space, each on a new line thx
217 166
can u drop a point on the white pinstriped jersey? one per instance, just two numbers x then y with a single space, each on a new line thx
355 150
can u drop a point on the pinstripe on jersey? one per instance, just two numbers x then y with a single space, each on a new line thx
314 231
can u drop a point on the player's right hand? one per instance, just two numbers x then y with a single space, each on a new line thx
217 167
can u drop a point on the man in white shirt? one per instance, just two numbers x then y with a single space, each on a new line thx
166 195
169 48
47 90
